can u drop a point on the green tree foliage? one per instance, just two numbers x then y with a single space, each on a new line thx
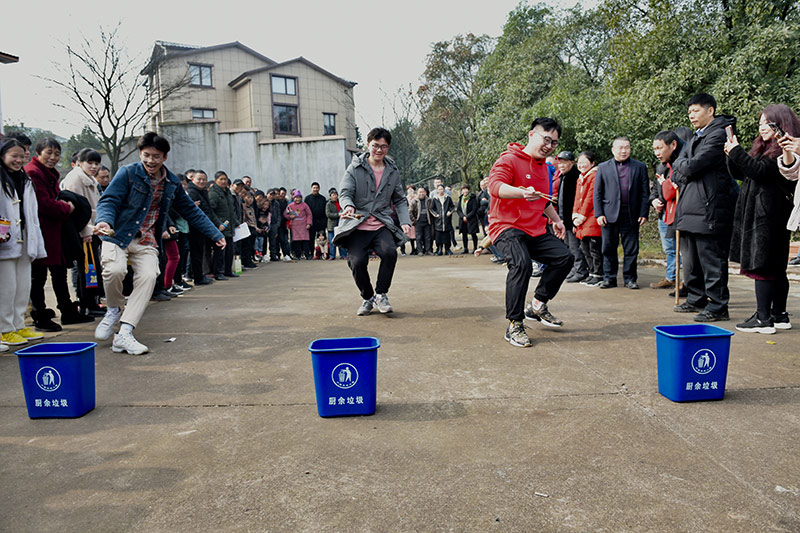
624 67
449 98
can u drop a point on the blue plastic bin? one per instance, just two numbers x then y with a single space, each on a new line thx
58 379
692 361
345 375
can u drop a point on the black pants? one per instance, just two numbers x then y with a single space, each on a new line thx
771 296
581 266
183 250
223 259
197 249
628 231
442 239
359 243
705 269
424 236
58 277
591 248
302 249
464 238
519 248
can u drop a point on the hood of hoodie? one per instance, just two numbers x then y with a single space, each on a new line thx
720 122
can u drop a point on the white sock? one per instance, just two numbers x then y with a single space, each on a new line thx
537 304
126 329
113 310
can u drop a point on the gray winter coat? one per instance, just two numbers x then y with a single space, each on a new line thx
358 190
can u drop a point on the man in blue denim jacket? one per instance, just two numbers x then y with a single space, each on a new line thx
130 218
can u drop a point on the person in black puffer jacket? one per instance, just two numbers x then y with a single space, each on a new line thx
704 213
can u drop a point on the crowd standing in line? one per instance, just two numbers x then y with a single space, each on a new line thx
557 218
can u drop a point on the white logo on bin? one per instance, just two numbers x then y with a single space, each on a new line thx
344 375
704 361
48 379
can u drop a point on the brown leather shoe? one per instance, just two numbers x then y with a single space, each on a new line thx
663 284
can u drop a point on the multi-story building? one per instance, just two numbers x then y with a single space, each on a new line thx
228 107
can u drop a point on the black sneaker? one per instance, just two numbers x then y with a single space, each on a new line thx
710 316
160 296
577 278
47 325
754 325
592 281
781 321
516 335
686 307
607 284
542 315
795 261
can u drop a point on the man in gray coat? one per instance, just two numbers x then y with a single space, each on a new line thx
371 184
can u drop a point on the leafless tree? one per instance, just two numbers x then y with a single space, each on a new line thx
103 81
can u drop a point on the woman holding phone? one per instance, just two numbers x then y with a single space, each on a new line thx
760 242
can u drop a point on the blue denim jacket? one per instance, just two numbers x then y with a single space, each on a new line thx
127 198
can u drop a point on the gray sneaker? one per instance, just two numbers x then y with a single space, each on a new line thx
516 334
542 315
366 307
382 303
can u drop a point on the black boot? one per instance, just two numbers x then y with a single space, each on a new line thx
70 315
43 320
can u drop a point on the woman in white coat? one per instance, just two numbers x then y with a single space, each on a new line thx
19 246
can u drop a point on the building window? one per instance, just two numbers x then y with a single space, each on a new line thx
329 123
285 118
200 75
202 113
284 85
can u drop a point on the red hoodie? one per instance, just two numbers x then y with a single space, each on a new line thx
518 169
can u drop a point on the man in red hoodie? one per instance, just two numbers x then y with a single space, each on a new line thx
520 188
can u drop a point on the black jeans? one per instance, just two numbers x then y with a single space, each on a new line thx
581 266
223 259
591 248
705 269
627 230
359 243
58 277
519 248
198 243
424 236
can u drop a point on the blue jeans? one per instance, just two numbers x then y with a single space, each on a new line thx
668 245
332 248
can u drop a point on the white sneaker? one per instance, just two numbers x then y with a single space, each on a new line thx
366 307
3 347
106 326
382 303
287 259
126 343
265 259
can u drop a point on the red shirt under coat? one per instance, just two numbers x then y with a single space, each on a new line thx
516 168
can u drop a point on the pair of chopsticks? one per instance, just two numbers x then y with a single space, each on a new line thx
551 197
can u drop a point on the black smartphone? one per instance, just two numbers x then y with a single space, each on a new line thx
777 129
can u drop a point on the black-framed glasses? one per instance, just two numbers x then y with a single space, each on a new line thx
547 140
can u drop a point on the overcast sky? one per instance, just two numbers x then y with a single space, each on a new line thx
380 45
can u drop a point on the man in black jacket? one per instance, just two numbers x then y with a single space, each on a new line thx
621 189
316 203
704 215
667 146
567 186
198 242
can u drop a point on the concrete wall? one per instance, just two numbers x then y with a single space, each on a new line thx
279 163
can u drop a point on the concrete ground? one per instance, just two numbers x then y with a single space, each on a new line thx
218 430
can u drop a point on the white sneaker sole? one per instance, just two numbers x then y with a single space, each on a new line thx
117 349
783 325
766 330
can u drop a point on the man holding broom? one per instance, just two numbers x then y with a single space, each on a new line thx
521 194
663 197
